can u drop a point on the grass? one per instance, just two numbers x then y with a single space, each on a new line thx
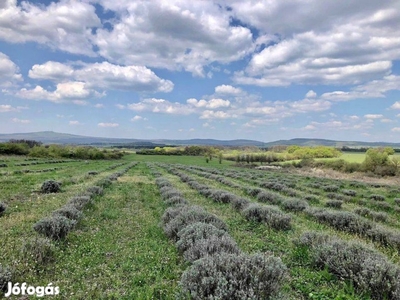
119 251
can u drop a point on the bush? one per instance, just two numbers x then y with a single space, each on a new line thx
92 173
3 208
95 190
196 231
269 197
211 246
240 203
294 205
79 202
268 214
334 203
351 193
377 197
362 211
222 196
5 277
3 166
253 191
189 215
55 227
176 200
311 199
369 270
397 201
230 276
40 249
50 186
69 211
344 221
331 188
379 216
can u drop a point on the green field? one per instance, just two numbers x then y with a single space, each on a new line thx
120 250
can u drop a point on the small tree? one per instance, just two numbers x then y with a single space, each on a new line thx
375 158
220 157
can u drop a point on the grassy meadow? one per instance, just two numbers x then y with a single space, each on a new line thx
119 248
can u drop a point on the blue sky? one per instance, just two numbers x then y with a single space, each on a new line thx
263 70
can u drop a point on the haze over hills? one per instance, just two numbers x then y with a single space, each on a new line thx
50 137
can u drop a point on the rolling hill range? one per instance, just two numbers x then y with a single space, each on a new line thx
50 137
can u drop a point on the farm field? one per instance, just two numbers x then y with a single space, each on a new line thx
349 157
321 238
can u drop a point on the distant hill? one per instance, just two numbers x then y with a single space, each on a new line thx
50 137
330 143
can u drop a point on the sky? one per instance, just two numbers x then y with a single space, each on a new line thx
262 70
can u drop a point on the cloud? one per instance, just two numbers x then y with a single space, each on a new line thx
227 89
16 120
138 118
9 72
161 106
210 114
74 123
201 33
99 105
311 94
396 105
211 104
395 129
104 125
351 45
373 116
65 25
104 75
65 92
9 108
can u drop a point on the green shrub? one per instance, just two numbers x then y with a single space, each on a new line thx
92 173
397 201
362 211
369 270
222 196
211 246
377 197
379 216
189 215
253 191
176 200
55 227
344 221
50 186
69 211
5 277
268 197
294 205
95 190
231 276
271 215
240 203
3 208
311 199
351 193
79 202
40 249
334 203
331 188
196 231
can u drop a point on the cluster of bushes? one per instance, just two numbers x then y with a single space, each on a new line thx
368 270
188 150
270 215
219 270
357 224
57 151
377 161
